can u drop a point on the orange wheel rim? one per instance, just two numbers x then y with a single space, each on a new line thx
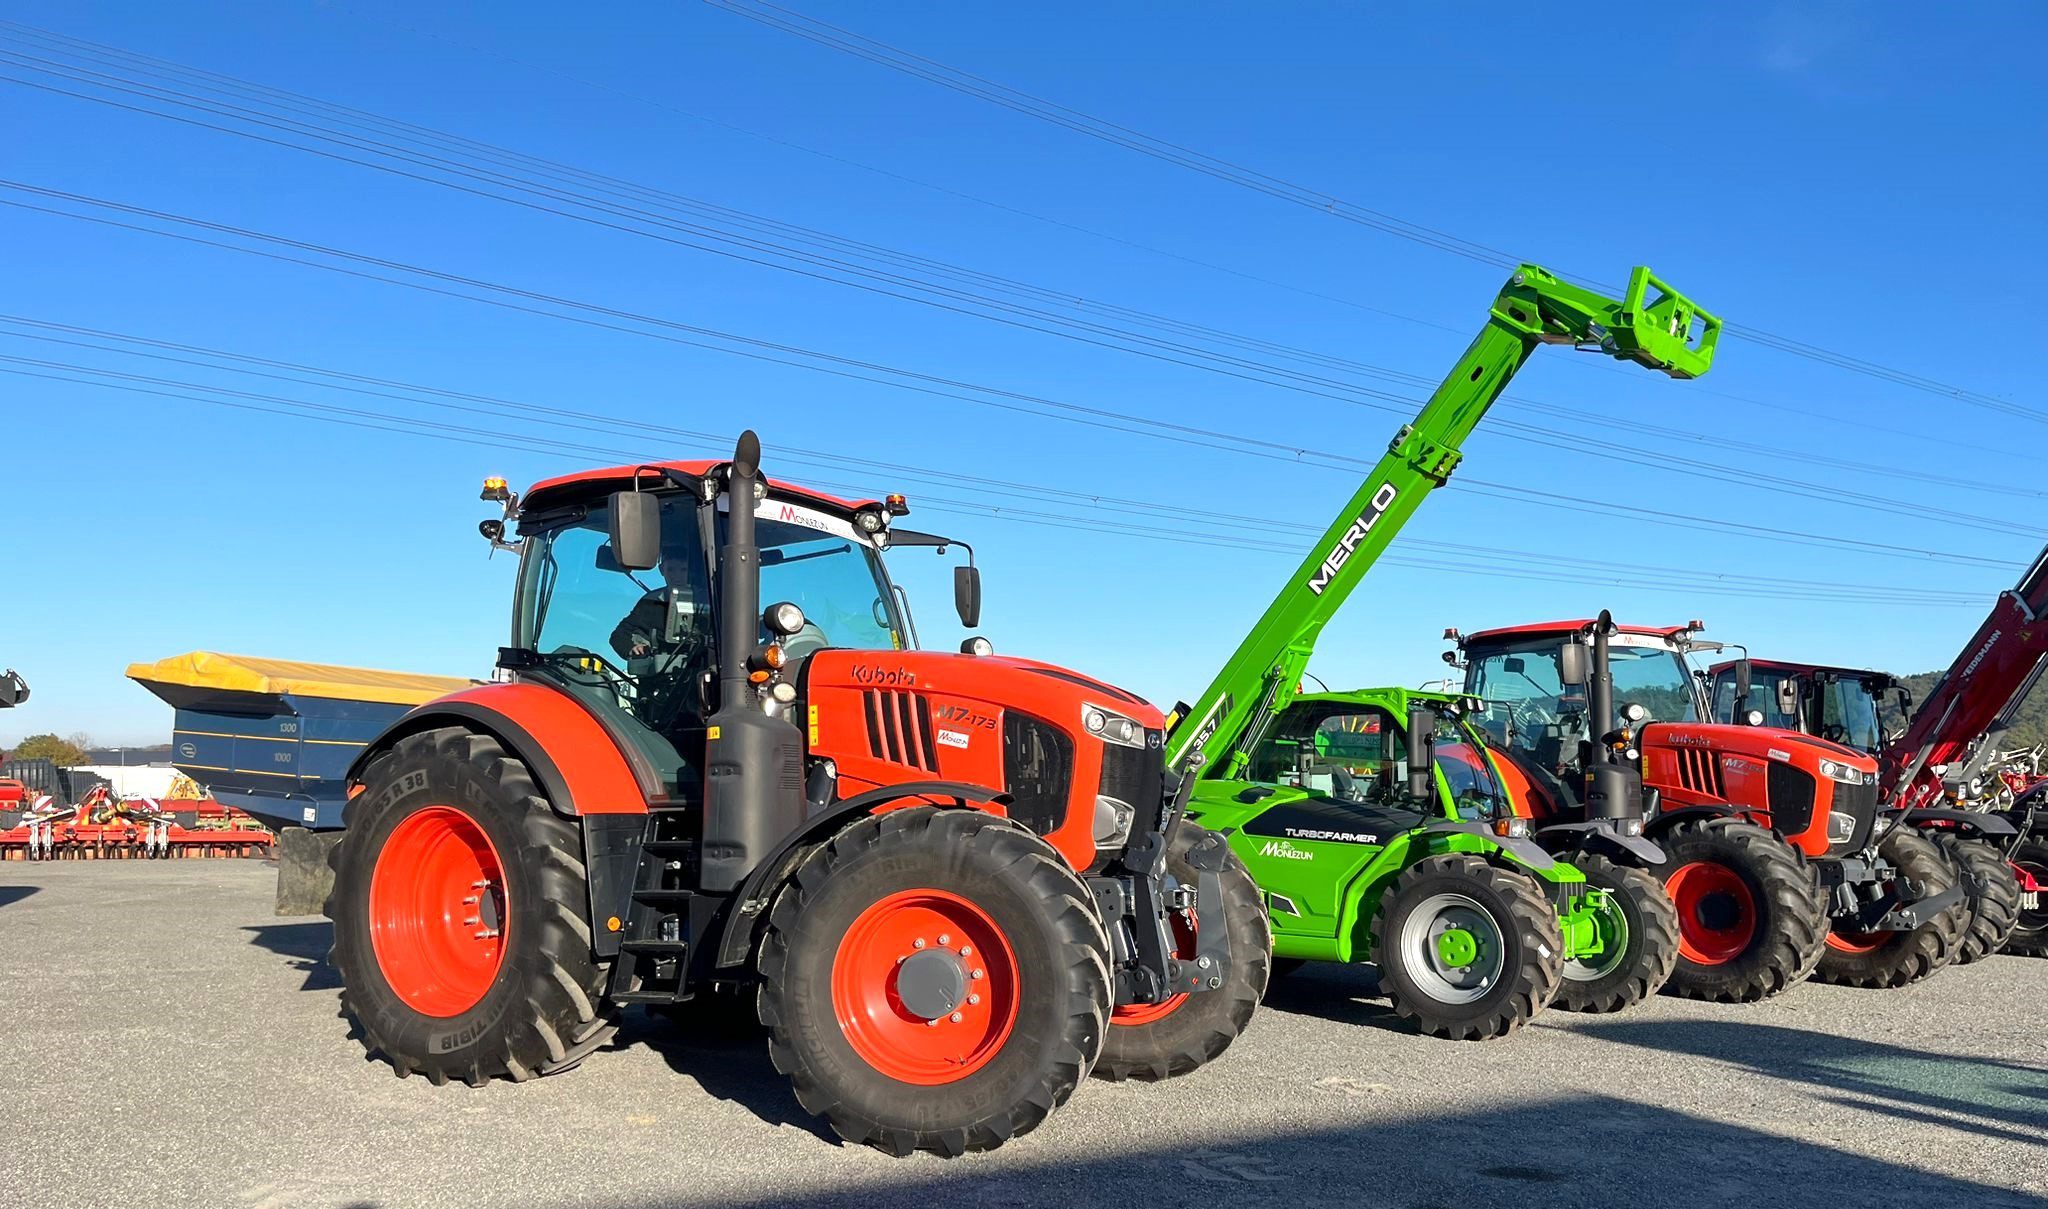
925 987
1858 942
438 911
1716 912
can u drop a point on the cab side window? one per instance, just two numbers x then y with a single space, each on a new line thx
1350 753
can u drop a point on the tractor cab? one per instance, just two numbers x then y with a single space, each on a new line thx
1851 706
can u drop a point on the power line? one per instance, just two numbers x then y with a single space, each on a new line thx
963 301
897 59
671 331
1579 573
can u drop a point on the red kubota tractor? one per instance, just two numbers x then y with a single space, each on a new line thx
1930 771
943 880
1776 856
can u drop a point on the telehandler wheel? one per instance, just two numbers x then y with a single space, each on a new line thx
1466 950
1751 919
1641 929
2030 935
1896 959
1157 1041
459 930
1992 889
934 980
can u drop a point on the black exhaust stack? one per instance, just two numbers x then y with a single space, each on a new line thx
754 794
1614 787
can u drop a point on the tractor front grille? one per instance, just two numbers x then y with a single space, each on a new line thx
1791 798
1133 775
1859 802
900 728
1038 771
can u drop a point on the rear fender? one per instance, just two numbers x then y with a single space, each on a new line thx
749 907
581 769
1969 822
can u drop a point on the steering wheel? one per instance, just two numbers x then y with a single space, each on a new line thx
1834 732
806 640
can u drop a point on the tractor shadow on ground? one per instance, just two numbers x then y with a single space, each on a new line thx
1342 994
1989 1097
1643 1155
10 895
306 946
721 1048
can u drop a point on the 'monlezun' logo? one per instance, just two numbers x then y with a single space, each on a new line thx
1286 851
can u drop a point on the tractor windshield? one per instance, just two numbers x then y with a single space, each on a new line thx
1529 708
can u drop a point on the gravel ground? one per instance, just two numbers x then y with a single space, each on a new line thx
173 1043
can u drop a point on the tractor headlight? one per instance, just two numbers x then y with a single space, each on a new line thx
785 617
1841 827
869 520
1112 727
1113 820
1847 774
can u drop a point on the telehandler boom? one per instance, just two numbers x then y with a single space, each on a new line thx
1246 708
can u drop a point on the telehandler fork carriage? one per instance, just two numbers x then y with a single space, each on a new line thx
1426 867
935 876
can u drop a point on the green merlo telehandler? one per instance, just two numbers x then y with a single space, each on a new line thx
1373 821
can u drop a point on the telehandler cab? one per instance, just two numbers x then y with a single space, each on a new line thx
1472 882
1775 857
937 875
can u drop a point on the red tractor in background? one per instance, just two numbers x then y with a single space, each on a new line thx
1931 771
1776 855
950 884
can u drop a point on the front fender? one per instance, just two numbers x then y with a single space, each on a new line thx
579 765
751 902
1521 851
1970 822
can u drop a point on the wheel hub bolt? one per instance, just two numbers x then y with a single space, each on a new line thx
955 1017
976 975
945 939
973 999
966 950
918 943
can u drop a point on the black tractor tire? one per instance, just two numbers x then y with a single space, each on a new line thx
2030 934
1527 957
1023 891
1649 946
1899 959
543 1010
1785 909
1992 890
1152 1043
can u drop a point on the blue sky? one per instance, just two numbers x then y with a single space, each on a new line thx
1860 178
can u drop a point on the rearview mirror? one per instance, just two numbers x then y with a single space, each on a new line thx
13 689
636 530
1788 697
1573 663
967 594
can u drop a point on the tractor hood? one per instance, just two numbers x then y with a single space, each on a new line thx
1079 759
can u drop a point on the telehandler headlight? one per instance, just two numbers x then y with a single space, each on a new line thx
869 520
1513 827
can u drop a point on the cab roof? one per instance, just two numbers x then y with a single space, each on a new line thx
618 478
1794 665
1533 629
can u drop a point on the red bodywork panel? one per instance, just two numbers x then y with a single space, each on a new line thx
618 478
888 717
597 775
1698 764
1573 627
